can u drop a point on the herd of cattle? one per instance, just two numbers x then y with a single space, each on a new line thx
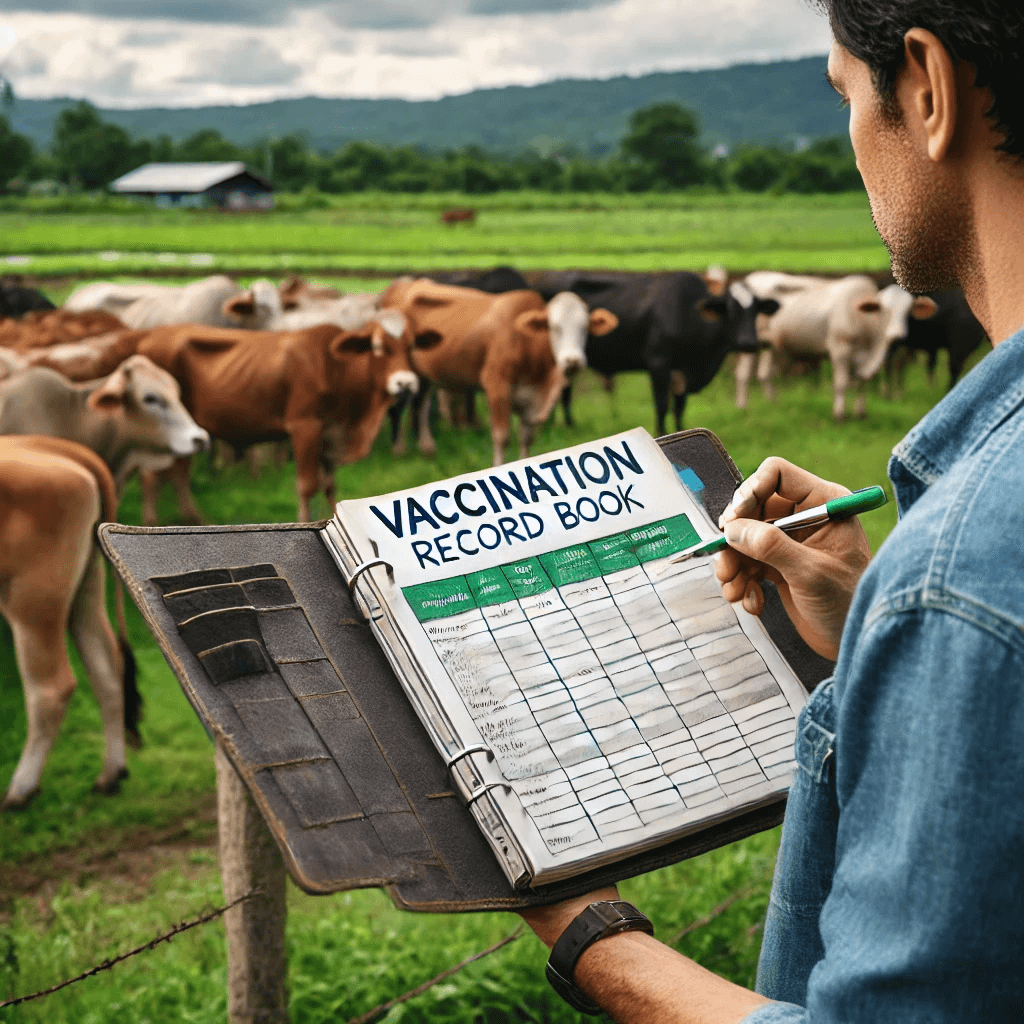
127 378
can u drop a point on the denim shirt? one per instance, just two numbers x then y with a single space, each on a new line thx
899 889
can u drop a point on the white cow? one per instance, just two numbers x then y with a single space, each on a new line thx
112 297
260 307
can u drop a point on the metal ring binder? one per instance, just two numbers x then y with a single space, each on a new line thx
362 567
477 793
477 748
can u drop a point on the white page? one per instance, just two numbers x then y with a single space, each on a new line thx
624 701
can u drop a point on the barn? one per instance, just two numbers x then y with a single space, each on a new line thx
229 186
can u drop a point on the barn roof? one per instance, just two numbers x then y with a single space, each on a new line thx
182 177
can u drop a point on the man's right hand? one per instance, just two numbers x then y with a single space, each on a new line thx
816 570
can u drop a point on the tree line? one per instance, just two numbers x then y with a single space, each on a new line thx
660 151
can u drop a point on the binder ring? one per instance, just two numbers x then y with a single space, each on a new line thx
476 794
478 748
360 569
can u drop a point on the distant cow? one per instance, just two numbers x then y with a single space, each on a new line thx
518 349
311 386
132 419
953 327
52 494
460 213
16 299
57 327
673 326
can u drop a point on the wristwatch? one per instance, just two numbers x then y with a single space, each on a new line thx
598 921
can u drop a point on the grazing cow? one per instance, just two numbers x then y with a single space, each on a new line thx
518 349
673 326
307 386
953 327
16 299
52 494
132 419
260 307
459 214
59 327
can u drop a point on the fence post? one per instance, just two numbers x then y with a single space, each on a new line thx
250 859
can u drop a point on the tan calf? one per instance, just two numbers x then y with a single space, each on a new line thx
325 389
52 494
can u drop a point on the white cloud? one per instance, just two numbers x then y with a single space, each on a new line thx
330 49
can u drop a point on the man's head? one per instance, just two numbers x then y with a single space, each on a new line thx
934 94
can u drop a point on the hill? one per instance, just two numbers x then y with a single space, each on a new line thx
766 103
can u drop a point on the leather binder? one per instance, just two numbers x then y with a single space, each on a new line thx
260 629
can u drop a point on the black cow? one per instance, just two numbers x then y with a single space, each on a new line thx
953 328
494 282
16 300
670 325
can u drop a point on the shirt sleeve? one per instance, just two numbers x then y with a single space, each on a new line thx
925 917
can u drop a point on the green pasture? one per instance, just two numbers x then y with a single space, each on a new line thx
351 952
391 234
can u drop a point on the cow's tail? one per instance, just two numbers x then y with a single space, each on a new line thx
89 460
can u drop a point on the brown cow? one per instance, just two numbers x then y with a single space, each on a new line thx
307 386
59 327
52 493
517 348
90 358
460 213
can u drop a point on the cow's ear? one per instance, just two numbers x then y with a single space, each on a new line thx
767 306
242 304
533 320
602 321
428 339
713 309
869 305
288 291
717 280
351 342
924 308
109 397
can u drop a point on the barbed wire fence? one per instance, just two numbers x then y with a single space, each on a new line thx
378 1011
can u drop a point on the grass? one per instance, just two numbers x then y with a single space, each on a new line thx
389 233
353 951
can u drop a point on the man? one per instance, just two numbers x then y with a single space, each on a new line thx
899 889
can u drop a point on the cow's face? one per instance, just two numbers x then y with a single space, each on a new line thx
256 308
736 312
569 322
387 339
147 401
899 308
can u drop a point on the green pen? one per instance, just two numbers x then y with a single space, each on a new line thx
864 500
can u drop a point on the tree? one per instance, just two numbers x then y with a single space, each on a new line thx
16 153
662 139
206 146
91 152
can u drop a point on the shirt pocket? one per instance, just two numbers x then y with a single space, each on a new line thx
815 734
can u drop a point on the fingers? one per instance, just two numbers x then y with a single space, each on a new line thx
776 476
768 544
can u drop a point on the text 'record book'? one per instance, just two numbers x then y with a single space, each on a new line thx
591 698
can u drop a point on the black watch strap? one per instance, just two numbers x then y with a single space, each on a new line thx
598 921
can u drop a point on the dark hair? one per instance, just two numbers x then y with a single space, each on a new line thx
987 34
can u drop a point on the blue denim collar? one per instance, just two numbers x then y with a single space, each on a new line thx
962 421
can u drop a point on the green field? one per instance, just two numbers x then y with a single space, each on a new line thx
393 234
83 877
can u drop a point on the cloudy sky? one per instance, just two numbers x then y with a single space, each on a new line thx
196 52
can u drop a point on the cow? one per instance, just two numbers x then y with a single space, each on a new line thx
133 419
318 384
516 347
16 299
952 327
459 215
59 327
260 307
496 281
674 326
52 494
851 322
296 292
201 302
114 297
88 359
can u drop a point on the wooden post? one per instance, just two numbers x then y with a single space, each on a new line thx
250 859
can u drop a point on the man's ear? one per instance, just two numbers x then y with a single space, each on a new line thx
109 397
713 309
924 308
602 321
930 87
242 304
532 320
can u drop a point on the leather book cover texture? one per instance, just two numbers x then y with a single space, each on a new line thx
259 628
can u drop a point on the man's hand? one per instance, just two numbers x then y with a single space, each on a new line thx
815 570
